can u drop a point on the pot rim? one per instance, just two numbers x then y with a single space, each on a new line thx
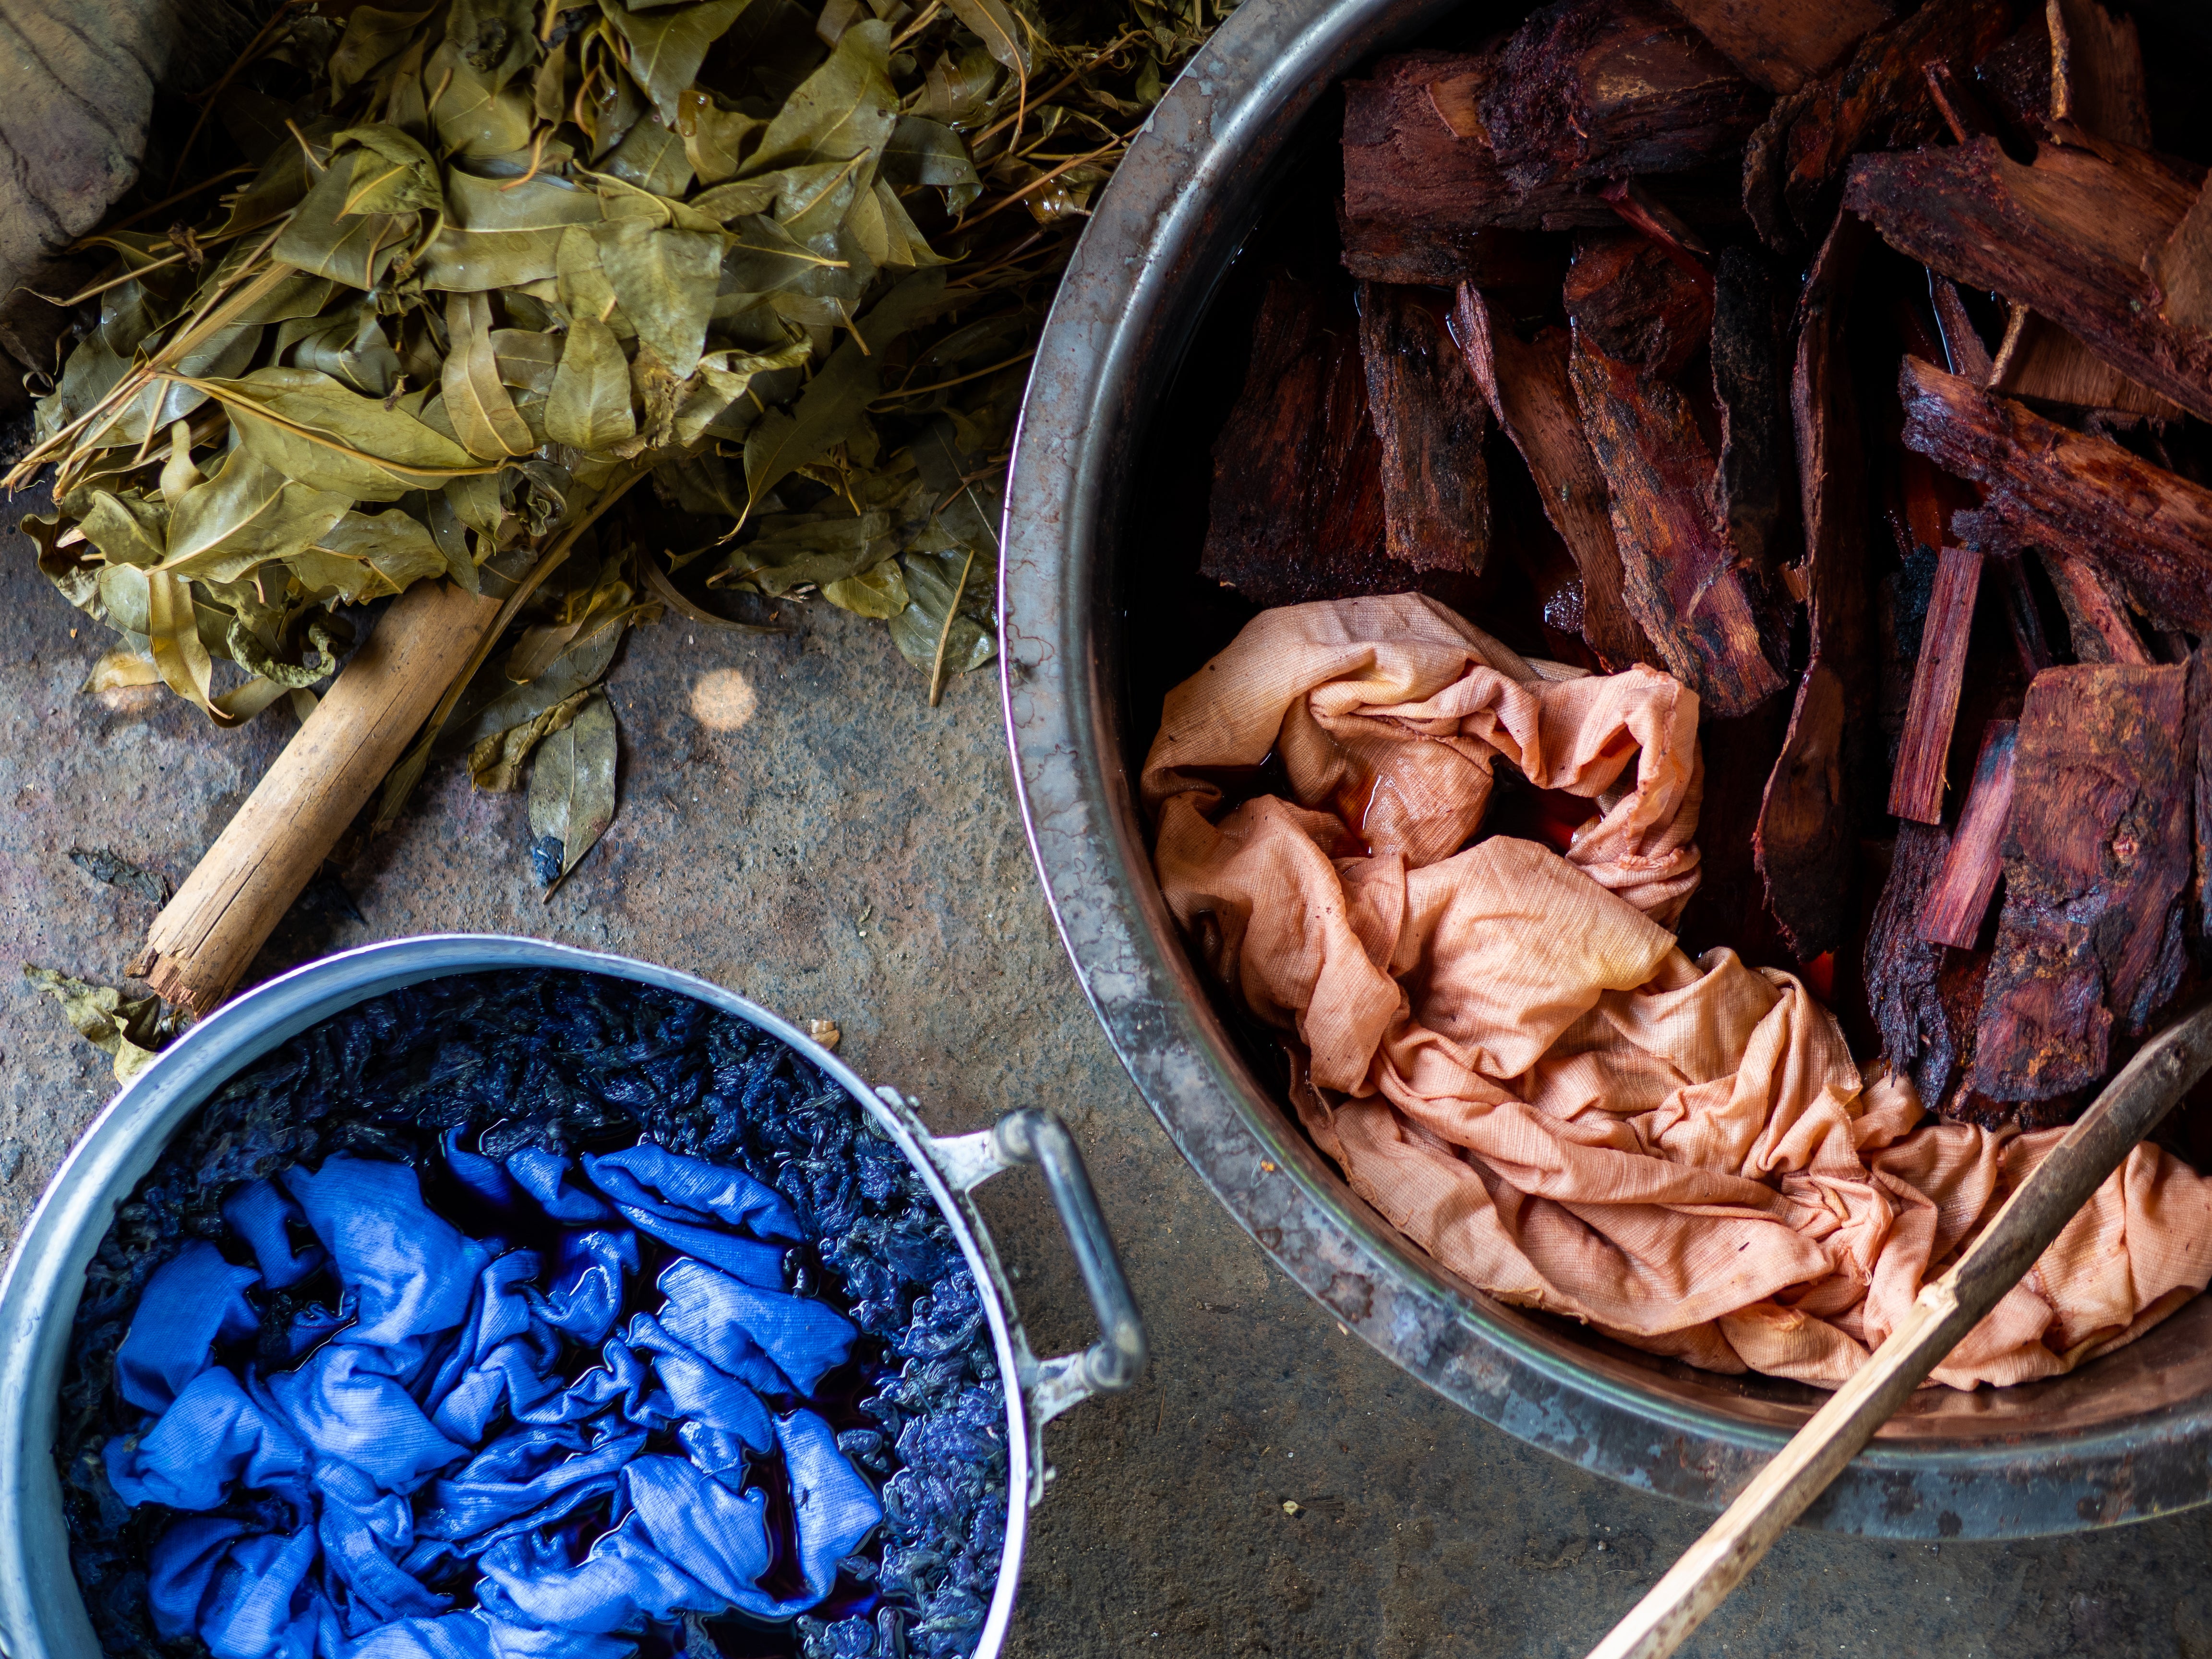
42 1614
1161 236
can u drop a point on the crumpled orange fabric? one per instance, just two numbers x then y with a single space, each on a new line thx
1512 1061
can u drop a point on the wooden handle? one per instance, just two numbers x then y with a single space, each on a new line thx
1942 1314
205 937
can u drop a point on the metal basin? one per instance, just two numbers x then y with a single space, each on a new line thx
2123 1438
42 1614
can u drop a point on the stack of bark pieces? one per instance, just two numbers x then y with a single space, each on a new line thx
1736 284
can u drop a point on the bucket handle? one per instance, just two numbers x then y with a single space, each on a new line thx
1029 1134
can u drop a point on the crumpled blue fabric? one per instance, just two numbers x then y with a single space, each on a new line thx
438 1473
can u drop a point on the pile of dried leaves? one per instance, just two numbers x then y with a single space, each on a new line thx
496 261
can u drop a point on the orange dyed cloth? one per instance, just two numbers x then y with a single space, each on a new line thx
1512 1061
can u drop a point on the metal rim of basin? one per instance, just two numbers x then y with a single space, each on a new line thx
2136 1442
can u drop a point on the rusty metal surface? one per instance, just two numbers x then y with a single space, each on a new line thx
2127 1437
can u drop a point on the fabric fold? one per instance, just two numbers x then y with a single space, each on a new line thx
444 1442
1512 1062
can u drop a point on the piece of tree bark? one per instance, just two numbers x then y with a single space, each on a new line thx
1643 212
2096 613
1915 789
1730 907
2097 79
1612 89
2043 361
1527 385
1793 163
1407 169
1634 302
2071 235
1430 420
207 936
2097 856
2073 494
1752 387
1807 828
1959 900
2025 618
1924 998
2181 269
1803 842
1384 250
1296 511
1780 45
1701 609
2015 78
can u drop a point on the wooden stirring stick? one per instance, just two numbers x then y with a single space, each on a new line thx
1944 1312
206 937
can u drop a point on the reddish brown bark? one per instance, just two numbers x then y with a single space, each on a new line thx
2097 855
1959 899
1409 179
2070 493
2069 235
1753 388
2097 79
1803 842
1792 164
2096 613
1701 609
1923 998
1611 89
1527 385
1915 789
1296 511
1636 301
1430 419
1781 45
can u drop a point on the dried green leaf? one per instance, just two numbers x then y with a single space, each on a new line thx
349 345
725 396
493 703
172 631
653 158
495 38
846 108
589 407
926 152
837 398
121 668
664 279
572 787
373 37
933 581
959 84
811 552
889 238
390 171
311 429
362 558
127 529
477 401
247 513
247 651
668 45
503 234
989 21
129 1030
715 139
496 762
475 117
356 249
880 593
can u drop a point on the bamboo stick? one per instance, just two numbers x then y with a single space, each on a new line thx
205 938
2128 1109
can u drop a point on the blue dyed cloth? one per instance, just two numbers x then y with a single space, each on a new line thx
430 1477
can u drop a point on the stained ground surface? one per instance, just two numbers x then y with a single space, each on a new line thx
797 824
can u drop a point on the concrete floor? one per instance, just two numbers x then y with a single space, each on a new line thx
846 852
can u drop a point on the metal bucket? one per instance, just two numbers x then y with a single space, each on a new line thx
2126 1438
42 1614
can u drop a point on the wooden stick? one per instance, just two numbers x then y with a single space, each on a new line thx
1942 1314
1915 789
1952 913
205 937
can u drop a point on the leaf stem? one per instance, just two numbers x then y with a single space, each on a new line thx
944 635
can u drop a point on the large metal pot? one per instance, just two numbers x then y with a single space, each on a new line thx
42 1615
2126 1438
